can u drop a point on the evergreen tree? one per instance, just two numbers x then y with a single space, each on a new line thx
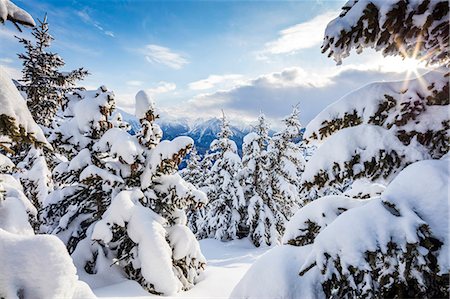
120 176
194 174
417 29
287 163
264 215
44 84
223 216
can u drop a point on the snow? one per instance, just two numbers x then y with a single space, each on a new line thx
145 228
366 100
94 171
164 150
367 141
13 105
419 194
273 276
120 144
350 23
322 212
144 103
227 264
5 163
9 11
37 267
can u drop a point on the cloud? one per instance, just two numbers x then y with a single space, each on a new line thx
301 36
86 18
162 87
134 83
165 56
276 93
215 80
6 60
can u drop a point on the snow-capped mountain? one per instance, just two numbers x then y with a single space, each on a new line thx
201 131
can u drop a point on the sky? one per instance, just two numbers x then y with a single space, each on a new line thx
199 57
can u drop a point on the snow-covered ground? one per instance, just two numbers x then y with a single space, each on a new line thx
227 264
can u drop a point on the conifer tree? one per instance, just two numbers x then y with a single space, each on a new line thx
286 162
224 213
120 176
194 174
43 81
264 214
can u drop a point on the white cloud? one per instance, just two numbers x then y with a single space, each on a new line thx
86 18
301 36
134 83
163 55
276 93
163 87
6 60
215 80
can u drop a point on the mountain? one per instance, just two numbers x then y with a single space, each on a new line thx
203 132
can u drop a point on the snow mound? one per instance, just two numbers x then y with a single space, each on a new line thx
37 267
273 276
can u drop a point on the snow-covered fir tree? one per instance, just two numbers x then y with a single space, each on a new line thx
417 29
43 82
125 193
389 242
194 174
40 257
286 162
223 217
264 222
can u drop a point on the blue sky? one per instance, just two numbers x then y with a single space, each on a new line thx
197 57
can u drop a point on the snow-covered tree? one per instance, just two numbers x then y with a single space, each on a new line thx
394 242
286 163
16 123
29 262
194 174
11 12
265 218
223 218
409 117
124 192
44 83
417 29
393 246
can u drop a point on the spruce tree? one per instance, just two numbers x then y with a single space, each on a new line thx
286 162
194 174
264 215
43 81
120 176
224 212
